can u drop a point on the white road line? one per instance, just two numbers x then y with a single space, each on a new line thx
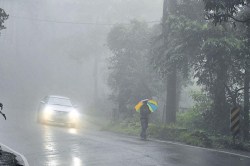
23 158
213 150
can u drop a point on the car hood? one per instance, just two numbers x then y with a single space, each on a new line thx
61 108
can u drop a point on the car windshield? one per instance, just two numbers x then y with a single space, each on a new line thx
59 101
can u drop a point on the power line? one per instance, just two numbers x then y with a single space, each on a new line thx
72 22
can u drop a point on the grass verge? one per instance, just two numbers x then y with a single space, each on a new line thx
177 134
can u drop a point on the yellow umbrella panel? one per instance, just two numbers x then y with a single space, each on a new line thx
152 104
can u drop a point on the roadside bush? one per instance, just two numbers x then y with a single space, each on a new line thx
202 137
190 119
220 141
165 132
174 133
199 116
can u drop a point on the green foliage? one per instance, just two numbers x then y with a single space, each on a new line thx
180 39
129 126
216 67
128 46
192 44
131 78
170 132
202 100
198 117
224 10
190 119
217 56
183 41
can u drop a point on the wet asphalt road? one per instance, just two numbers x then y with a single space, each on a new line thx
57 146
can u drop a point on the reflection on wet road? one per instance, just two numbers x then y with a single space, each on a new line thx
58 146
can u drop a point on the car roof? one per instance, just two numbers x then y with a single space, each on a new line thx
55 96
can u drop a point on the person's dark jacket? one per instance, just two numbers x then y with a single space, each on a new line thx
144 112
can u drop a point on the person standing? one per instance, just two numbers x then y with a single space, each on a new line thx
144 116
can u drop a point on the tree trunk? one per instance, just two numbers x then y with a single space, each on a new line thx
95 82
221 111
164 33
171 103
171 98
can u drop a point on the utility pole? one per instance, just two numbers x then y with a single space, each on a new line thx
164 33
95 49
95 81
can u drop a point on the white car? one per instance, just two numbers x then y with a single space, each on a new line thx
58 109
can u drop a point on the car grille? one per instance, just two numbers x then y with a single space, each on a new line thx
61 112
60 115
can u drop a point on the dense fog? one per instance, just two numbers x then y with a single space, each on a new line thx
51 47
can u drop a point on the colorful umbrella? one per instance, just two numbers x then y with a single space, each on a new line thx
152 105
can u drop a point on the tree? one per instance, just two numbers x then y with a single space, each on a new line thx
238 11
191 43
171 76
174 48
213 68
130 76
243 59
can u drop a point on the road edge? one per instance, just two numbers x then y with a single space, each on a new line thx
197 147
183 144
5 147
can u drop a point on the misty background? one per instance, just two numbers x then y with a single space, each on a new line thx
55 47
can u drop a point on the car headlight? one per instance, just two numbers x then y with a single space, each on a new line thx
47 112
74 114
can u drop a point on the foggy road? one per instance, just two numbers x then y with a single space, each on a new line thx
54 145
108 55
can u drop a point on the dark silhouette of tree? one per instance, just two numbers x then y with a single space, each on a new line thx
172 48
237 11
130 79
3 17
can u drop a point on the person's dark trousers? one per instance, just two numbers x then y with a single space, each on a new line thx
144 126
